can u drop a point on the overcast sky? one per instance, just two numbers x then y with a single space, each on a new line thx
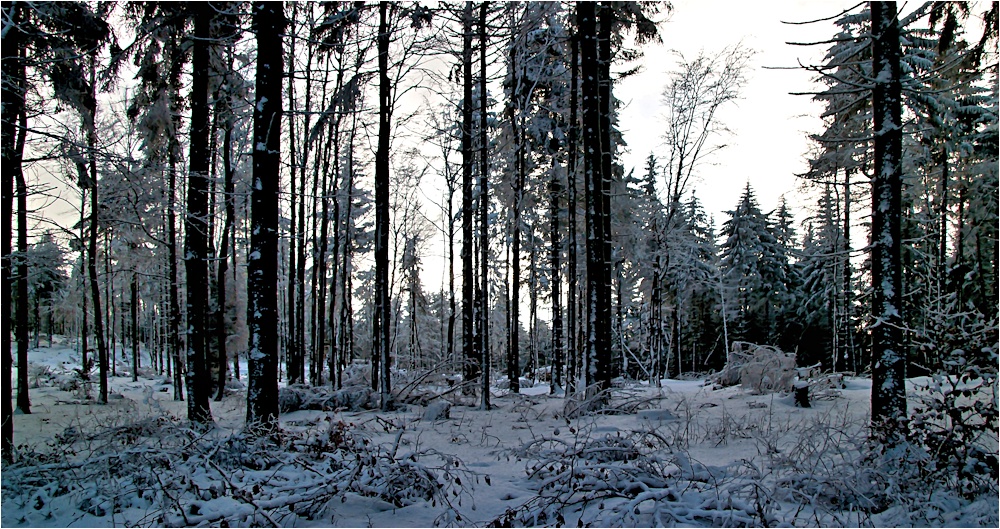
769 126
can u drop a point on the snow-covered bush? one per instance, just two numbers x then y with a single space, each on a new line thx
955 425
623 478
758 368
302 397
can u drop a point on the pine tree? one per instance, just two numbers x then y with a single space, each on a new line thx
820 279
754 268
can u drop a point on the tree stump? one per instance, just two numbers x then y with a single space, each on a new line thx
802 395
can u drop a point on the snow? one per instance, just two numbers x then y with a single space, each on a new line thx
685 453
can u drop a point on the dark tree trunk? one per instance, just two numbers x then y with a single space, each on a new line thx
297 372
382 309
134 313
555 192
196 228
110 308
95 288
13 107
320 163
174 321
452 305
598 368
291 346
86 363
221 331
572 371
262 266
888 357
345 332
21 317
471 361
849 356
514 306
329 187
603 342
484 244
300 281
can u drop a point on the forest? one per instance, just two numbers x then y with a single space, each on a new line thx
246 243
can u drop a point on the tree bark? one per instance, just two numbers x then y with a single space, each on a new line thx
21 317
221 332
603 342
558 355
262 265
13 107
572 371
471 362
90 123
345 332
889 418
293 353
196 227
382 308
598 368
134 313
329 186
173 147
514 306
484 244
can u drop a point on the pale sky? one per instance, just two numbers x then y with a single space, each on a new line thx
769 126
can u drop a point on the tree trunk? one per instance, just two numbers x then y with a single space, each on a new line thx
196 228
297 371
558 355
110 308
90 123
603 342
330 185
471 362
221 331
571 256
513 341
321 159
262 265
849 355
598 370
889 419
13 107
21 316
484 244
345 332
382 313
174 322
134 313
292 351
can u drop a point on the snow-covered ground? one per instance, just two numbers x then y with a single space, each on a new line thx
684 454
